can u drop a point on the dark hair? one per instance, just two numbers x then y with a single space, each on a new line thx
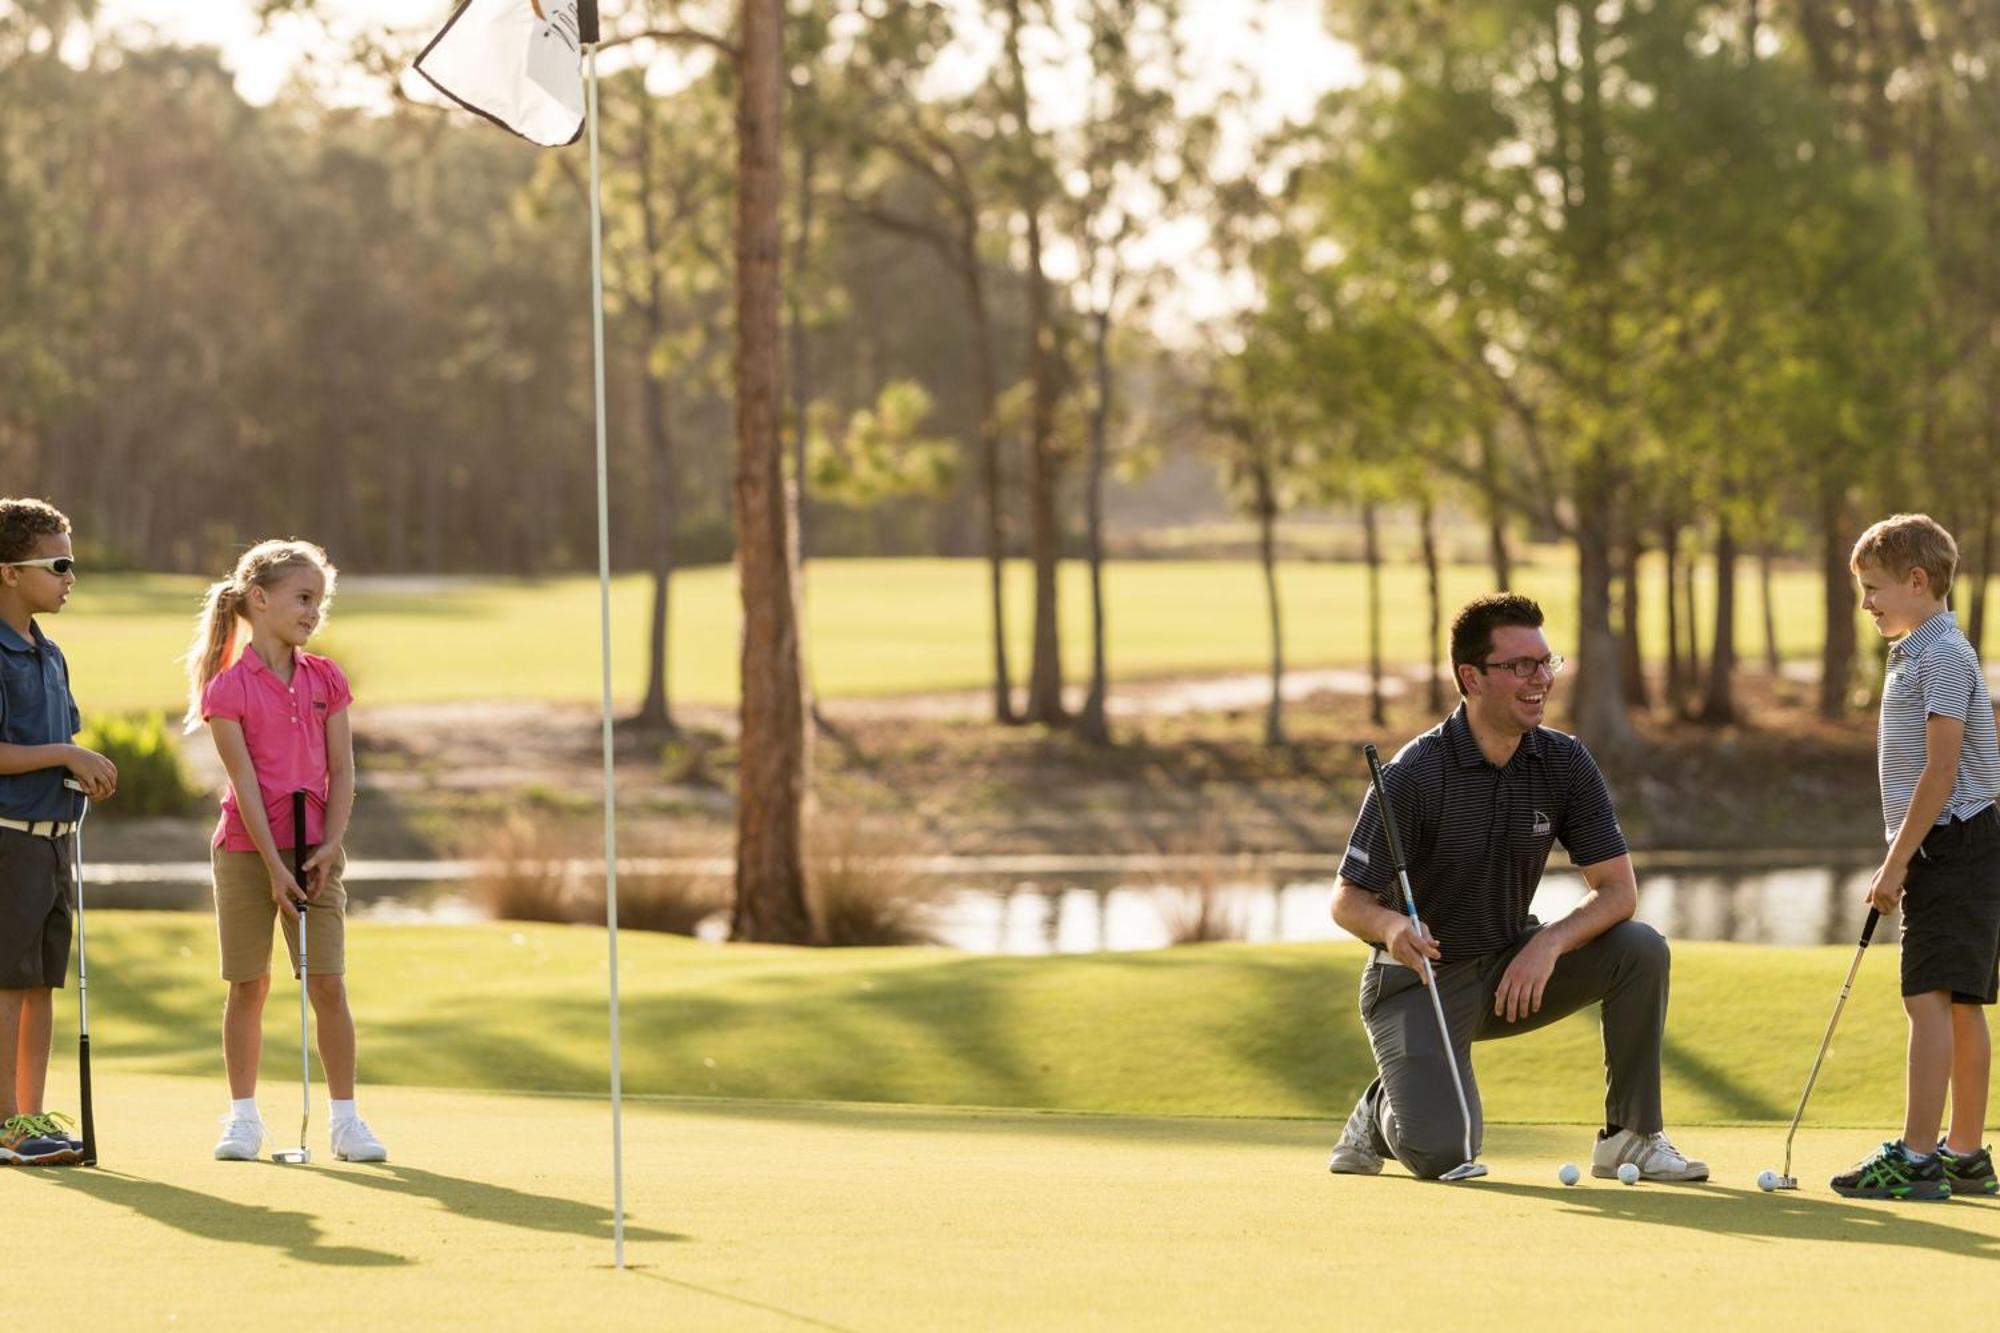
23 523
1472 628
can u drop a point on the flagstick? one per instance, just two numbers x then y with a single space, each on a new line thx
604 625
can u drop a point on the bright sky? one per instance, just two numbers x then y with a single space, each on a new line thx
1294 59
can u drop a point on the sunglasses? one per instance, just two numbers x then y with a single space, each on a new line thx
55 564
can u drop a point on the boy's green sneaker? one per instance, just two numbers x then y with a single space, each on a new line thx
1970 1172
56 1125
23 1144
1891 1173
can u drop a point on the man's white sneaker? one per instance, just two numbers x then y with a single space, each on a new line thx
1355 1154
242 1139
1656 1158
354 1142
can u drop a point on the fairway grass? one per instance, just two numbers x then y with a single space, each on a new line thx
1221 1029
875 627
495 1214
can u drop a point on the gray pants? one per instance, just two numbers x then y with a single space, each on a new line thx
1411 1108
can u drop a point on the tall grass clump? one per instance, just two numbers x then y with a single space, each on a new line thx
529 871
1197 910
151 777
860 892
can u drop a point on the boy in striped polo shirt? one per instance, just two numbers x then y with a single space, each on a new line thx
1940 770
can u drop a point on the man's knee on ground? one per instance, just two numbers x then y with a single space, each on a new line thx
1429 1153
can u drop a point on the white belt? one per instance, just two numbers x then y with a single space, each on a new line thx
40 828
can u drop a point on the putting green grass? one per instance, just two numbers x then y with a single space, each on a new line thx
1226 1029
495 1214
876 627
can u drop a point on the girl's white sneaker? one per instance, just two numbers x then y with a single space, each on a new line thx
242 1139
353 1141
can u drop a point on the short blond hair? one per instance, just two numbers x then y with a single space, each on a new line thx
1903 542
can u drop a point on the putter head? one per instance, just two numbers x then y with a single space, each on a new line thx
1786 1183
1468 1171
298 1156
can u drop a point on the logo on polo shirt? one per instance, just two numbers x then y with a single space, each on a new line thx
319 705
1542 824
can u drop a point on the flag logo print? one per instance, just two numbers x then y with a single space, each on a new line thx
519 63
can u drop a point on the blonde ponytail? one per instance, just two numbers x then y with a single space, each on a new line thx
215 638
214 644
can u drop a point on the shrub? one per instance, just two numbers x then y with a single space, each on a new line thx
151 778
861 895
529 871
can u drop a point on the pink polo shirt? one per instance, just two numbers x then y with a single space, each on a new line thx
285 728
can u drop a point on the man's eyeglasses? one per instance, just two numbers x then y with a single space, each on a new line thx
55 564
1524 668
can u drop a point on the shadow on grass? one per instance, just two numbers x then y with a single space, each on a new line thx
482 1201
742 1301
1733 1099
295 1235
1719 1210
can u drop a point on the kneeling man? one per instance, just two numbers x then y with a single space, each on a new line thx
1479 799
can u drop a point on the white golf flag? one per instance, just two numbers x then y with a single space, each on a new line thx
519 63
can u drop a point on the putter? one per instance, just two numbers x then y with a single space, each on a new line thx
82 990
300 1155
1468 1169
1785 1179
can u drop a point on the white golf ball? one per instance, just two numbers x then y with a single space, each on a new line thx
1628 1174
1569 1175
1767 1181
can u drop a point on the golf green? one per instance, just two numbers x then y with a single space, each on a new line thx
495 1213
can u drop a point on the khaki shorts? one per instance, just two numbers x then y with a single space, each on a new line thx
244 913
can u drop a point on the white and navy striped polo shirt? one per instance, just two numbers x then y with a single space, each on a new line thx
1478 836
1933 670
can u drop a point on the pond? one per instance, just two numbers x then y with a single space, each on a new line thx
1038 905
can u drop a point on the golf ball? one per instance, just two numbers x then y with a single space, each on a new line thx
1569 1175
1767 1181
1628 1174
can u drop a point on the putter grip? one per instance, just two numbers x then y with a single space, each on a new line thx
1382 799
1868 926
83 1098
299 851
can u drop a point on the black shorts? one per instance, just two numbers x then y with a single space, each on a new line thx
34 910
1951 912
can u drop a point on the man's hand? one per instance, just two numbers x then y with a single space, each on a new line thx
319 865
98 775
1885 891
1522 984
1410 944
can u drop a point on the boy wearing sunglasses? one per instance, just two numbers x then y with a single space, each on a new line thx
38 718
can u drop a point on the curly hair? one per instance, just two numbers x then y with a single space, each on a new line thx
1903 542
25 522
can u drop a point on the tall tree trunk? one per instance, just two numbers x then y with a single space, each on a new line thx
1434 579
656 709
986 376
1597 706
1774 660
1719 706
1045 686
1836 658
1267 556
1091 724
1690 614
1496 513
1632 664
1976 621
798 367
1372 552
772 772
1670 555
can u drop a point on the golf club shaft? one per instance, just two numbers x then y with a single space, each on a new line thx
1410 906
1853 969
305 1039
83 1098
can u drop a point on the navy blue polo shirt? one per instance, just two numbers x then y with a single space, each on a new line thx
1478 836
36 708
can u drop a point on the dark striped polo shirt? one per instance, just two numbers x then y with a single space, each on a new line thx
1932 669
1477 837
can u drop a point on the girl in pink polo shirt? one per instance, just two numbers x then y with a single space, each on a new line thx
278 715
